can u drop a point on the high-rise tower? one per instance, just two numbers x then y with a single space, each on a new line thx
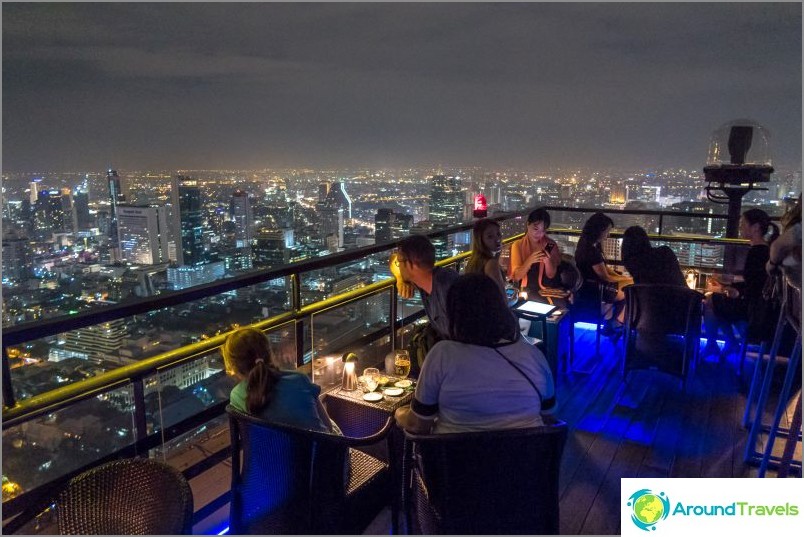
188 228
143 234
241 214
446 201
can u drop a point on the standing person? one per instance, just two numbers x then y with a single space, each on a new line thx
485 377
286 397
728 304
486 248
413 264
647 264
535 259
590 261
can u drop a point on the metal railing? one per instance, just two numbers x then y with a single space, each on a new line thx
134 375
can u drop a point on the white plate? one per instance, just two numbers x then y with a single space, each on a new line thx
393 392
372 396
403 384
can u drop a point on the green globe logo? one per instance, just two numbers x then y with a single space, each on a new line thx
648 508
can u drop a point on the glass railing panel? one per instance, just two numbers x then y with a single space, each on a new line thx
685 225
335 330
193 447
318 285
184 390
45 448
45 364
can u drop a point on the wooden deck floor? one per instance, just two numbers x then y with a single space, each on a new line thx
648 427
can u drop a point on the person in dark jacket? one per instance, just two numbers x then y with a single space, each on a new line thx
647 264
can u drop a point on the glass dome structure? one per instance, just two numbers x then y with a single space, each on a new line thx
739 150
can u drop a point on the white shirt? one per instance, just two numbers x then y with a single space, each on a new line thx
473 388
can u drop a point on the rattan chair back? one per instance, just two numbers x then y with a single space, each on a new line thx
494 482
127 497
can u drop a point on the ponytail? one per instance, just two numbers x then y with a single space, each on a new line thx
247 352
260 385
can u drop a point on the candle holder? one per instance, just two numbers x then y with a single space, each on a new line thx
349 381
691 278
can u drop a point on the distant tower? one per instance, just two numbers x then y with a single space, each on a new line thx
446 201
69 214
143 234
188 228
323 191
241 214
116 197
384 222
81 206
338 197
34 191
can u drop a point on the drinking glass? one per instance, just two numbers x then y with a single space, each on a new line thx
401 363
371 377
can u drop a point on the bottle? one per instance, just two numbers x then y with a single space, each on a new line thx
389 363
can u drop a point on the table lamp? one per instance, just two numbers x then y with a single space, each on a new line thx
349 381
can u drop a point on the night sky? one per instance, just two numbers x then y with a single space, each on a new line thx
241 86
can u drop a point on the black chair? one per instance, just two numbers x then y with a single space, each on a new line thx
662 328
127 497
296 481
493 482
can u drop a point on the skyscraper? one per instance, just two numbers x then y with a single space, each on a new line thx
446 201
384 221
188 228
241 214
337 197
331 224
143 234
48 215
117 196
81 206
34 191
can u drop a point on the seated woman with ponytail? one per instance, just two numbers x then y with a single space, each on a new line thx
286 397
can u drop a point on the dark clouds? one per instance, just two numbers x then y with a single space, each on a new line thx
198 85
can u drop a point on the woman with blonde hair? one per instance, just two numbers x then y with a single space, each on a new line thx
486 248
286 397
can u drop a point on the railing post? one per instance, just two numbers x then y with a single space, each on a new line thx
661 223
8 389
295 292
299 335
140 423
392 316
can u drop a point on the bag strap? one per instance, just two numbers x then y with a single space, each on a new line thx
546 404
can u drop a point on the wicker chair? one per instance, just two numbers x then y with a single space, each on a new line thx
127 497
662 328
493 482
296 481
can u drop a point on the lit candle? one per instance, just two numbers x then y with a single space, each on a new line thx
523 295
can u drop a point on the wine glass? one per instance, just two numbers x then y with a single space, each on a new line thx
371 376
401 363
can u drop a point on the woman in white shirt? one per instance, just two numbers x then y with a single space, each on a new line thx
485 377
